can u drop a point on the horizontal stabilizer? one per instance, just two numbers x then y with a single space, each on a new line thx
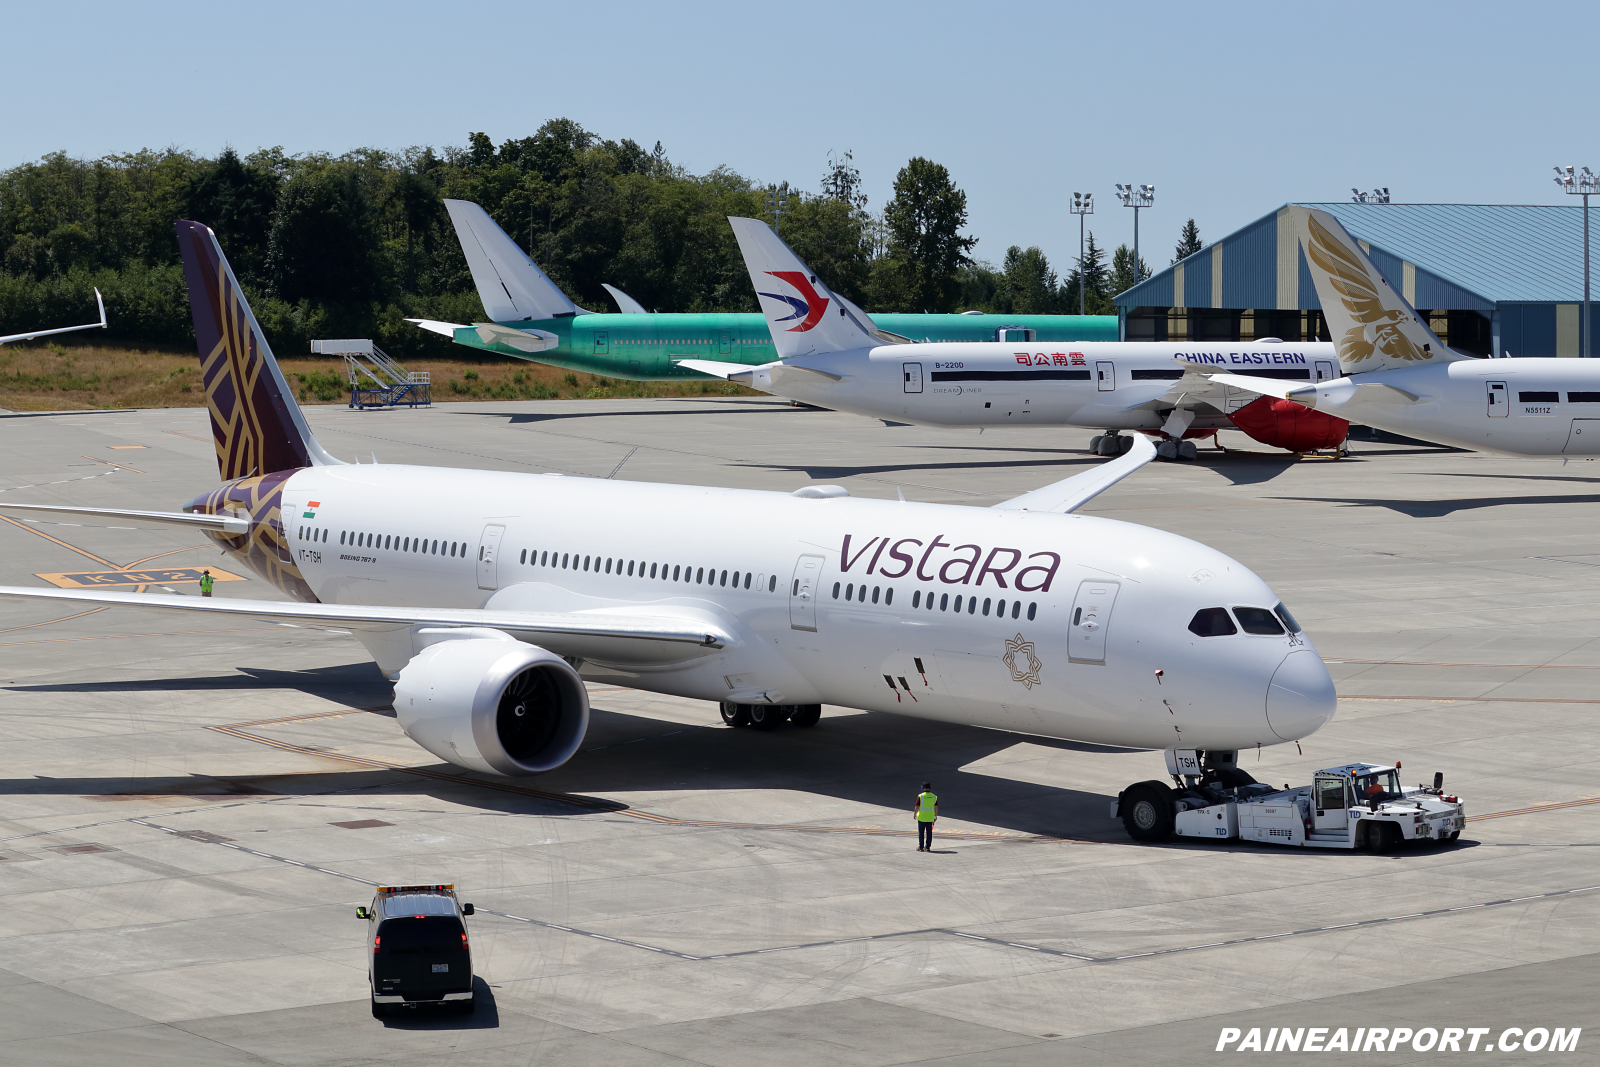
1070 494
231 525
443 329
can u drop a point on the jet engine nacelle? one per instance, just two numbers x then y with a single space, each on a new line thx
488 702
1285 424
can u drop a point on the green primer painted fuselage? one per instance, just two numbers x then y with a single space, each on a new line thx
647 347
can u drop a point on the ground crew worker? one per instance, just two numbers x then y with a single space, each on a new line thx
205 584
926 810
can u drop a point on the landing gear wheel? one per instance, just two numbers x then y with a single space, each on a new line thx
1167 449
1147 811
1188 450
1382 837
735 714
1124 444
1094 443
806 715
1110 445
767 716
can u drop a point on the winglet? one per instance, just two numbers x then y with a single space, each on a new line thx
63 329
1070 494
1373 325
625 303
802 313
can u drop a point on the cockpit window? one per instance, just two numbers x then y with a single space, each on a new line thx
1212 622
1288 620
1258 621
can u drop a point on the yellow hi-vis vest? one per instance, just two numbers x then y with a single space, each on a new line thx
205 583
925 805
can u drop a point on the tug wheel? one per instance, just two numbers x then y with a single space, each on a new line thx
1382 837
1147 811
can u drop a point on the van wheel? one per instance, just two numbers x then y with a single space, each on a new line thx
735 714
379 1010
1147 811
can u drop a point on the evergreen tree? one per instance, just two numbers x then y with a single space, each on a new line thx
1122 272
843 181
1188 242
1093 280
1028 286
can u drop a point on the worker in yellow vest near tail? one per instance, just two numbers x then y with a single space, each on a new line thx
205 583
927 811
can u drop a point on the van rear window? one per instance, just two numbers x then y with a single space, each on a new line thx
431 933
1212 622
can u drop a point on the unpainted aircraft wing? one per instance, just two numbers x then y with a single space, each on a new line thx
655 628
768 377
716 368
1070 494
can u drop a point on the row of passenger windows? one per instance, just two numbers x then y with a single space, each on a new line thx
391 542
1216 622
1554 397
919 599
638 568
311 533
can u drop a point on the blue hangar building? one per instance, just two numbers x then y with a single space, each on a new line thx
1493 279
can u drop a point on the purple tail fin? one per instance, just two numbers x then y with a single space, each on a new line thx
256 425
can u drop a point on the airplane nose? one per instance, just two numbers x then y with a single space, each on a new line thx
1300 697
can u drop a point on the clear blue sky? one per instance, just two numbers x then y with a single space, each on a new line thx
1229 108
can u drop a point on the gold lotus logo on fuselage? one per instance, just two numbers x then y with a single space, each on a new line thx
1378 331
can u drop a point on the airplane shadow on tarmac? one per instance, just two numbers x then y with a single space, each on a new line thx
873 759
1434 509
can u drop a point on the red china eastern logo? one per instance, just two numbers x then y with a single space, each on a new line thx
812 306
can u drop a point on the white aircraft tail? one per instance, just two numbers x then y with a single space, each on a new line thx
1374 327
511 286
804 315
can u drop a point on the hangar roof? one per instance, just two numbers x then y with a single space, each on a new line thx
1494 252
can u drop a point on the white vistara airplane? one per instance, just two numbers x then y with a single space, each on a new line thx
1400 377
483 594
827 356
62 329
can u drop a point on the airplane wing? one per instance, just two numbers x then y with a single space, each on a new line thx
443 329
599 632
63 329
529 340
1070 494
625 303
1301 393
226 524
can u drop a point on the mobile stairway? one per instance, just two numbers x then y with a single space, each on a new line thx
376 380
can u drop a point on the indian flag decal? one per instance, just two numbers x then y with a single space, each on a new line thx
311 509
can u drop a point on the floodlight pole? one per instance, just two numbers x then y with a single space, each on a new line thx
1082 204
1136 198
1583 184
777 201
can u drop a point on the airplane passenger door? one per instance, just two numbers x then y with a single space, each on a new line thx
1324 371
601 342
1105 375
912 377
803 593
1499 400
488 549
1091 617
724 343
1332 805
1579 445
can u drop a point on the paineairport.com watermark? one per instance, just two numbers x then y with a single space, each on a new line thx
1393 1039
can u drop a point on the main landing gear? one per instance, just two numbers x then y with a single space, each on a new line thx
1109 444
769 716
1174 449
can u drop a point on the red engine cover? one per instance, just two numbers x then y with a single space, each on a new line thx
1285 424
